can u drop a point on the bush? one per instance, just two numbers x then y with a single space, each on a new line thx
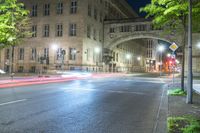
176 92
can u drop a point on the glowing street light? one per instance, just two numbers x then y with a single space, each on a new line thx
74 51
128 56
198 45
139 58
97 50
54 47
168 55
161 48
177 61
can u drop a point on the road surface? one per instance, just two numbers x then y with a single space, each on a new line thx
109 105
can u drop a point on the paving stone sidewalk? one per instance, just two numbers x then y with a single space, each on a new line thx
177 105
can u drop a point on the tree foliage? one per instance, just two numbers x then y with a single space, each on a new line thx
172 16
14 22
172 13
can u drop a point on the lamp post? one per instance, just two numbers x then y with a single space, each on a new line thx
54 48
161 48
128 57
190 80
97 51
63 53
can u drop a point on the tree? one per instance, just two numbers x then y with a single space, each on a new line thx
14 22
172 16
14 25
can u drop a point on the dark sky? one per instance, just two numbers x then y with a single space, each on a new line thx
136 4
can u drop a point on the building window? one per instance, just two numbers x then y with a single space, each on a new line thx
72 54
34 11
46 9
100 35
32 69
117 57
20 69
113 56
88 31
34 31
7 54
59 8
58 53
72 30
59 30
46 30
125 28
94 34
112 30
46 52
33 54
140 28
73 8
89 10
88 54
21 54
95 13
101 18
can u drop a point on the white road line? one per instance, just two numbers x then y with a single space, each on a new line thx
159 109
12 102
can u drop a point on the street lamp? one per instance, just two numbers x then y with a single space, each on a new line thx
161 48
97 51
54 48
168 55
139 58
128 56
177 61
198 45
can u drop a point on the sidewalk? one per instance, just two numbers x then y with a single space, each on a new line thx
177 106
196 88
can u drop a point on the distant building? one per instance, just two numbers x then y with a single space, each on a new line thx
66 35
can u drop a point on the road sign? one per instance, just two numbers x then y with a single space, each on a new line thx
173 47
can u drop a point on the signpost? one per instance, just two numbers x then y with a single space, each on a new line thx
173 47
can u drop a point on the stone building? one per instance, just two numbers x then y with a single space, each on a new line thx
67 34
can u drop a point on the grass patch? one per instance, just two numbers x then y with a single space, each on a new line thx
176 92
186 124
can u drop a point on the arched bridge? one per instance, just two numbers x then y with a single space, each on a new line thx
119 31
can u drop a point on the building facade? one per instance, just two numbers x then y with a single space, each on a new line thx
67 35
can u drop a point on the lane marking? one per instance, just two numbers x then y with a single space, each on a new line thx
12 102
159 109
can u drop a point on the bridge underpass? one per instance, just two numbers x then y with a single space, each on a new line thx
132 45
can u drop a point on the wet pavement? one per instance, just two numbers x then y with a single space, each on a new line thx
109 105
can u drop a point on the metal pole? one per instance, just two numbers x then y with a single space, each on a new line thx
173 69
161 65
190 81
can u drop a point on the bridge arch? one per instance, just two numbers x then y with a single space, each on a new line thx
123 39
116 32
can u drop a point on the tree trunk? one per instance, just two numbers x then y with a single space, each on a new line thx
183 62
12 60
183 68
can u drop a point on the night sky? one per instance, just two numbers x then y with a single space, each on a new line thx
136 4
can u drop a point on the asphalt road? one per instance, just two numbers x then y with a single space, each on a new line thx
111 105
